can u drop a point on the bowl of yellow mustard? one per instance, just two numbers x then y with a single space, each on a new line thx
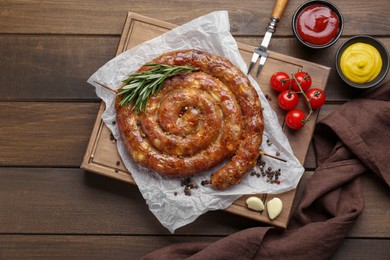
362 62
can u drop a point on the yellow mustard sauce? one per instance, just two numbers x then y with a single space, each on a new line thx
361 62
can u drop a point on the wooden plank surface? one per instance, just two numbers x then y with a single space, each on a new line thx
42 125
51 67
117 247
66 62
99 17
44 133
77 202
72 201
48 50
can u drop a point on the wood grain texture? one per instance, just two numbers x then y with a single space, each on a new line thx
56 68
361 249
45 133
49 208
134 247
100 17
56 133
86 247
51 67
72 201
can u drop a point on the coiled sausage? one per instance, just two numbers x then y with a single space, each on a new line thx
196 121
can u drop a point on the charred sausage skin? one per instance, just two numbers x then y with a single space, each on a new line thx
196 121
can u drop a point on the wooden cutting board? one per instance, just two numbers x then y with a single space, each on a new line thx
103 158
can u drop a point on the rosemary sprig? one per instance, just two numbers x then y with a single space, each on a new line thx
139 86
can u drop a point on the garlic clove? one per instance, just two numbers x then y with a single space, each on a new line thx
274 208
255 203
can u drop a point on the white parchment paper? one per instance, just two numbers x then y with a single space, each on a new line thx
164 196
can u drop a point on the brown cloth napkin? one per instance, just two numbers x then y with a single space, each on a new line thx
351 141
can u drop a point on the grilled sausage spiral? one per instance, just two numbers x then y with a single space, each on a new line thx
196 121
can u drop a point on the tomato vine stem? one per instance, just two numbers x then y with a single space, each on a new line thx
304 121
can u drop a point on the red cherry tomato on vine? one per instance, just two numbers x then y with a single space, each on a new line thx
295 119
316 96
287 100
304 80
280 81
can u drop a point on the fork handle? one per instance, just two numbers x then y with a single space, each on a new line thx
279 7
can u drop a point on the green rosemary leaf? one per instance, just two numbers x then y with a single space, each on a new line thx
139 86
131 86
144 93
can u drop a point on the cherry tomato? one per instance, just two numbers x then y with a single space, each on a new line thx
316 96
295 119
304 80
280 81
287 100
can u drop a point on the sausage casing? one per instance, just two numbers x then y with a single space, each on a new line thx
196 121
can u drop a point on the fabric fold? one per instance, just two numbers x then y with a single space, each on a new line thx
351 141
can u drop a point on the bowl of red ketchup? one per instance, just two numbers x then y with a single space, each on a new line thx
317 24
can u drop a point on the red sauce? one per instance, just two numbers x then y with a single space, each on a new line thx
318 24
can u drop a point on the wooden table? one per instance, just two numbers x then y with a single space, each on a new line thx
49 207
